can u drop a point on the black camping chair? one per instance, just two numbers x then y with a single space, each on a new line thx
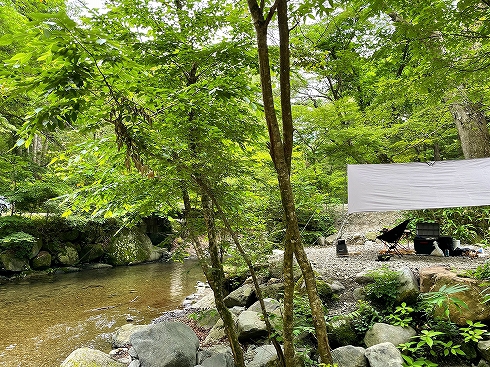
391 238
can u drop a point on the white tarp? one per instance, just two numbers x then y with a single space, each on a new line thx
409 186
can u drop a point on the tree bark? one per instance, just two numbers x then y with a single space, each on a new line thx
472 128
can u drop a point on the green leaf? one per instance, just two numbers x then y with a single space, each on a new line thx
6 40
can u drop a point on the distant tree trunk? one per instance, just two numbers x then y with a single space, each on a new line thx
472 127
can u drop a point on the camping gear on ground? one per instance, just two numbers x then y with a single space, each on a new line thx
342 248
391 238
437 251
426 234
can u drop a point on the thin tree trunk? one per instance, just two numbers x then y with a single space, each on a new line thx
281 156
217 280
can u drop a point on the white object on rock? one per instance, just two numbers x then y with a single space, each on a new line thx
437 251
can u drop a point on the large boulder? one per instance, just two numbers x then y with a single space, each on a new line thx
130 246
382 333
68 256
341 332
433 278
42 260
242 296
409 286
350 356
12 263
408 290
275 266
217 332
384 355
216 356
91 251
167 344
87 357
36 247
251 327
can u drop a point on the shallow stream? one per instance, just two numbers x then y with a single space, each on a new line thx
43 320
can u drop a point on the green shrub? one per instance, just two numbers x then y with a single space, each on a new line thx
16 223
364 318
482 272
383 291
19 242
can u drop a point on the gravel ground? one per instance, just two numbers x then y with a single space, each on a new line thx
364 257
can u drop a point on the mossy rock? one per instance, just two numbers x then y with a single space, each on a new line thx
324 290
68 256
341 332
42 260
130 246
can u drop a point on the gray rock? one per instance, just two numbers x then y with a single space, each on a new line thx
272 289
275 265
484 349
87 357
483 363
134 363
96 266
250 327
381 333
265 356
42 260
341 331
217 358
167 344
242 296
66 269
337 287
271 305
205 302
350 356
355 240
120 338
384 355
68 256
12 263
364 277
409 286
36 247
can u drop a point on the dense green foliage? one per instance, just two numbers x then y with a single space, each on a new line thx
145 108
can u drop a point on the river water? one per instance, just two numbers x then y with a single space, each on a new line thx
43 320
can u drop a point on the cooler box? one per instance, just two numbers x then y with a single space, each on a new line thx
423 245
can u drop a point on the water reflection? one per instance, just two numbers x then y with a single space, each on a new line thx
43 320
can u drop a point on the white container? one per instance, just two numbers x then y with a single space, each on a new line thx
456 243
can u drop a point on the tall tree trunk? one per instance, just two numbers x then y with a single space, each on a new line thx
281 156
472 127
